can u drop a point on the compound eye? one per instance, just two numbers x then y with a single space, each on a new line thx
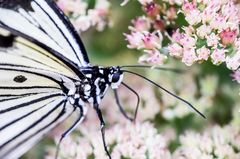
115 77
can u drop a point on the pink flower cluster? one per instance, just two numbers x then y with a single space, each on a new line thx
142 39
212 32
215 142
134 141
84 18
146 31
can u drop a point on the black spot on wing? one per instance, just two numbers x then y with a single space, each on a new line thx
6 41
20 79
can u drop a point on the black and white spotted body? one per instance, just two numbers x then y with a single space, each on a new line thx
98 80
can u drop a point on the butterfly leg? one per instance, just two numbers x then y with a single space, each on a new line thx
74 125
102 123
120 106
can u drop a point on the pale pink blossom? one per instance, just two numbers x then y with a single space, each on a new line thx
236 75
188 7
134 141
144 40
189 56
177 36
187 41
218 22
237 44
76 6
153 56
233 62
193 17
207 15
203 53
218 56
213 40
82 23
189 30
175 50
95 16
152 9
152 40
214 142
84 18
140 24
203 31
134 39
231 12
211 25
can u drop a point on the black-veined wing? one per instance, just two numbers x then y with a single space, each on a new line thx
24 52
34 89
41 22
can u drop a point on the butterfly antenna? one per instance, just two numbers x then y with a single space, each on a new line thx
120 106
138 99
155 68
154 83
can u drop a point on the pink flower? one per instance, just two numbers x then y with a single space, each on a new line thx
141 24
189 6
134 39
61 4
177 36
82 23
218 56
84 18
203 31
231 12
153 57
233 63
189 30
193 17
189 56
151 40
228 36
212 40
236 75
207 15
76 7
188 41
152 9
218 22
203 53
215 142
175 50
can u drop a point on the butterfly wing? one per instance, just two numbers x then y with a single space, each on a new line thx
42 22
24 52
34 89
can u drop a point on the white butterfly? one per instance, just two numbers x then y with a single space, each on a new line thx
45 75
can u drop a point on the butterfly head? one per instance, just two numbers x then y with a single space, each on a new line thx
115 77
